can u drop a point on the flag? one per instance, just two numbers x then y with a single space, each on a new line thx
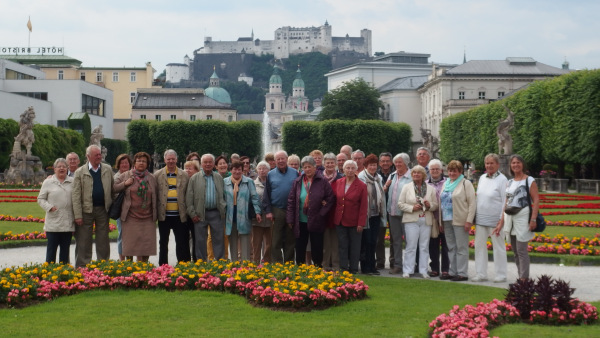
29 24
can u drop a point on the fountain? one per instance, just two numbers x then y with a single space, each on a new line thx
266 133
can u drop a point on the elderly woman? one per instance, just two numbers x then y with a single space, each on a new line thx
193 156
393 187
294 162
377 214
123 164
351 207
417 201
139 209
59 224
222 166
437 180
308 205
261 231
239 193
190 168
247 170
491 195
520 213
331 258
457 206
270 158
318 156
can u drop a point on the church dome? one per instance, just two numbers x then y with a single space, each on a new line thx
215 92
298 82
275 78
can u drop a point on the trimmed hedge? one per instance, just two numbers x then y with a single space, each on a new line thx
9 129
114 148
84 124
370 136
53 142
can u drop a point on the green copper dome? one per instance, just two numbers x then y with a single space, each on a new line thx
298 82
275 78
215 92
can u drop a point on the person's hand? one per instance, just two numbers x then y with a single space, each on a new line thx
359 228
129 182
417 207
498 229
290 225
427 204
258 218
324 202
441 228
270 216
468 226
195 219
79 221
53 209
532 225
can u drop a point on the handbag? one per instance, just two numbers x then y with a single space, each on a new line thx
512 210
540 222
114 211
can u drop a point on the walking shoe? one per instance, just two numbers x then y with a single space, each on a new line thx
499 280
406 275
375 273
395 271
460 279
479 279
425 276
433 274
446 276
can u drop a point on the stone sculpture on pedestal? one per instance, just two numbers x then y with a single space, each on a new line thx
24 167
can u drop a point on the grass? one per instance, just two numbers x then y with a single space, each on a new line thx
395 307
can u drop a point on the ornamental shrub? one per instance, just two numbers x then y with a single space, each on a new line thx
9 128
114 148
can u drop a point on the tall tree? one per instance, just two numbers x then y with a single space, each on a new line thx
353 100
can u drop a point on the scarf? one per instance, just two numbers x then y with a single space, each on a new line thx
307 187
236 188
450 186
374 183
141 177
331 177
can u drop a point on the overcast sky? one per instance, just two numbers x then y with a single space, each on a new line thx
131 32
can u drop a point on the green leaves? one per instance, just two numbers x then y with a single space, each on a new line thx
353 100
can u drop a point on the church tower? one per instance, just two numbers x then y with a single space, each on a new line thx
275 99
299 101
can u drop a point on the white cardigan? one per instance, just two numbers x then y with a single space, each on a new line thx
408 199
56 194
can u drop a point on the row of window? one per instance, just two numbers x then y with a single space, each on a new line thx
481 95
100 76
92 105
174 117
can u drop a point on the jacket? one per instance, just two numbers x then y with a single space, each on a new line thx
350 207
56 194
320 191
408 199
464 203
246 194
260 190
82 189
196 193
120 185
182 180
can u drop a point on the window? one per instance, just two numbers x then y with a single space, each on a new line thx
92 105
35 95
209 117
230 118
143 117
192 117
133 77
272 106
115 76
157 117
98 76
461 95
61 74
62 124
481 95
173 117
131 97
82 76
500 94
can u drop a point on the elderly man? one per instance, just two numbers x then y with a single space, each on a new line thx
274 204
205 203
423 157
385 170
172 185
92 197
73 162
341 158
359 157
346 149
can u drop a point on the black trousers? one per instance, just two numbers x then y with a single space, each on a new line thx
316 246
434 254
56 240
182 240
368 245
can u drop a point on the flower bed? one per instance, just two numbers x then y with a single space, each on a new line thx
559 244
273 285
28 235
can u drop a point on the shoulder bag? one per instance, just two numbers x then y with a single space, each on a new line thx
540 222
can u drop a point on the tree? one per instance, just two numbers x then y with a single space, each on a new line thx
355 99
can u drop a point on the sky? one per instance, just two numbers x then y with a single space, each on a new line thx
129 33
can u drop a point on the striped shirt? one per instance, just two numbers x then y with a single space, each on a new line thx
172 207
210 200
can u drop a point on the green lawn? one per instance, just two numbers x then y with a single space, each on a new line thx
395 307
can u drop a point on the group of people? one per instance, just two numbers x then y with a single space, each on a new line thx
324 209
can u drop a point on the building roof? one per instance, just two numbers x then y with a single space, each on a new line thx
404 83
298 82
509 66
275 78
219 94
176 99
43 60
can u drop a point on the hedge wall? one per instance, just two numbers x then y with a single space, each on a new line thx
9 128
114 148
370 136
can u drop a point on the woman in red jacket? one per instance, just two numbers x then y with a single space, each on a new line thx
350 216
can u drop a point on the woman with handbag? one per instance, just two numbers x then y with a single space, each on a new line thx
519 221
122 164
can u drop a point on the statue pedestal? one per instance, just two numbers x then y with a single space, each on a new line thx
505 166
26 169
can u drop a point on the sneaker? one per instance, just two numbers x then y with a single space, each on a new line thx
425 276
479 279
499 280
395 271
406 275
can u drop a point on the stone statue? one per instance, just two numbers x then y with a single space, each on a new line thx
505 142
104 153
97 136
25 136
156 160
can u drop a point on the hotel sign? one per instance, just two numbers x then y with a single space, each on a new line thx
32 50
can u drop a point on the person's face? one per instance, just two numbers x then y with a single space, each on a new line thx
516 166
262 171
346 150
417 176
236 173
422 158
195 158
385 162
246 165
73 162
372 168
171 162
341 159
271 164
207 164
60 170
95 157
281 161
294 164
330 165
190 170
141 163
453 173
309 170
435 171
491 166
359 159
318 160
222 166
124 165
350 171
400 166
